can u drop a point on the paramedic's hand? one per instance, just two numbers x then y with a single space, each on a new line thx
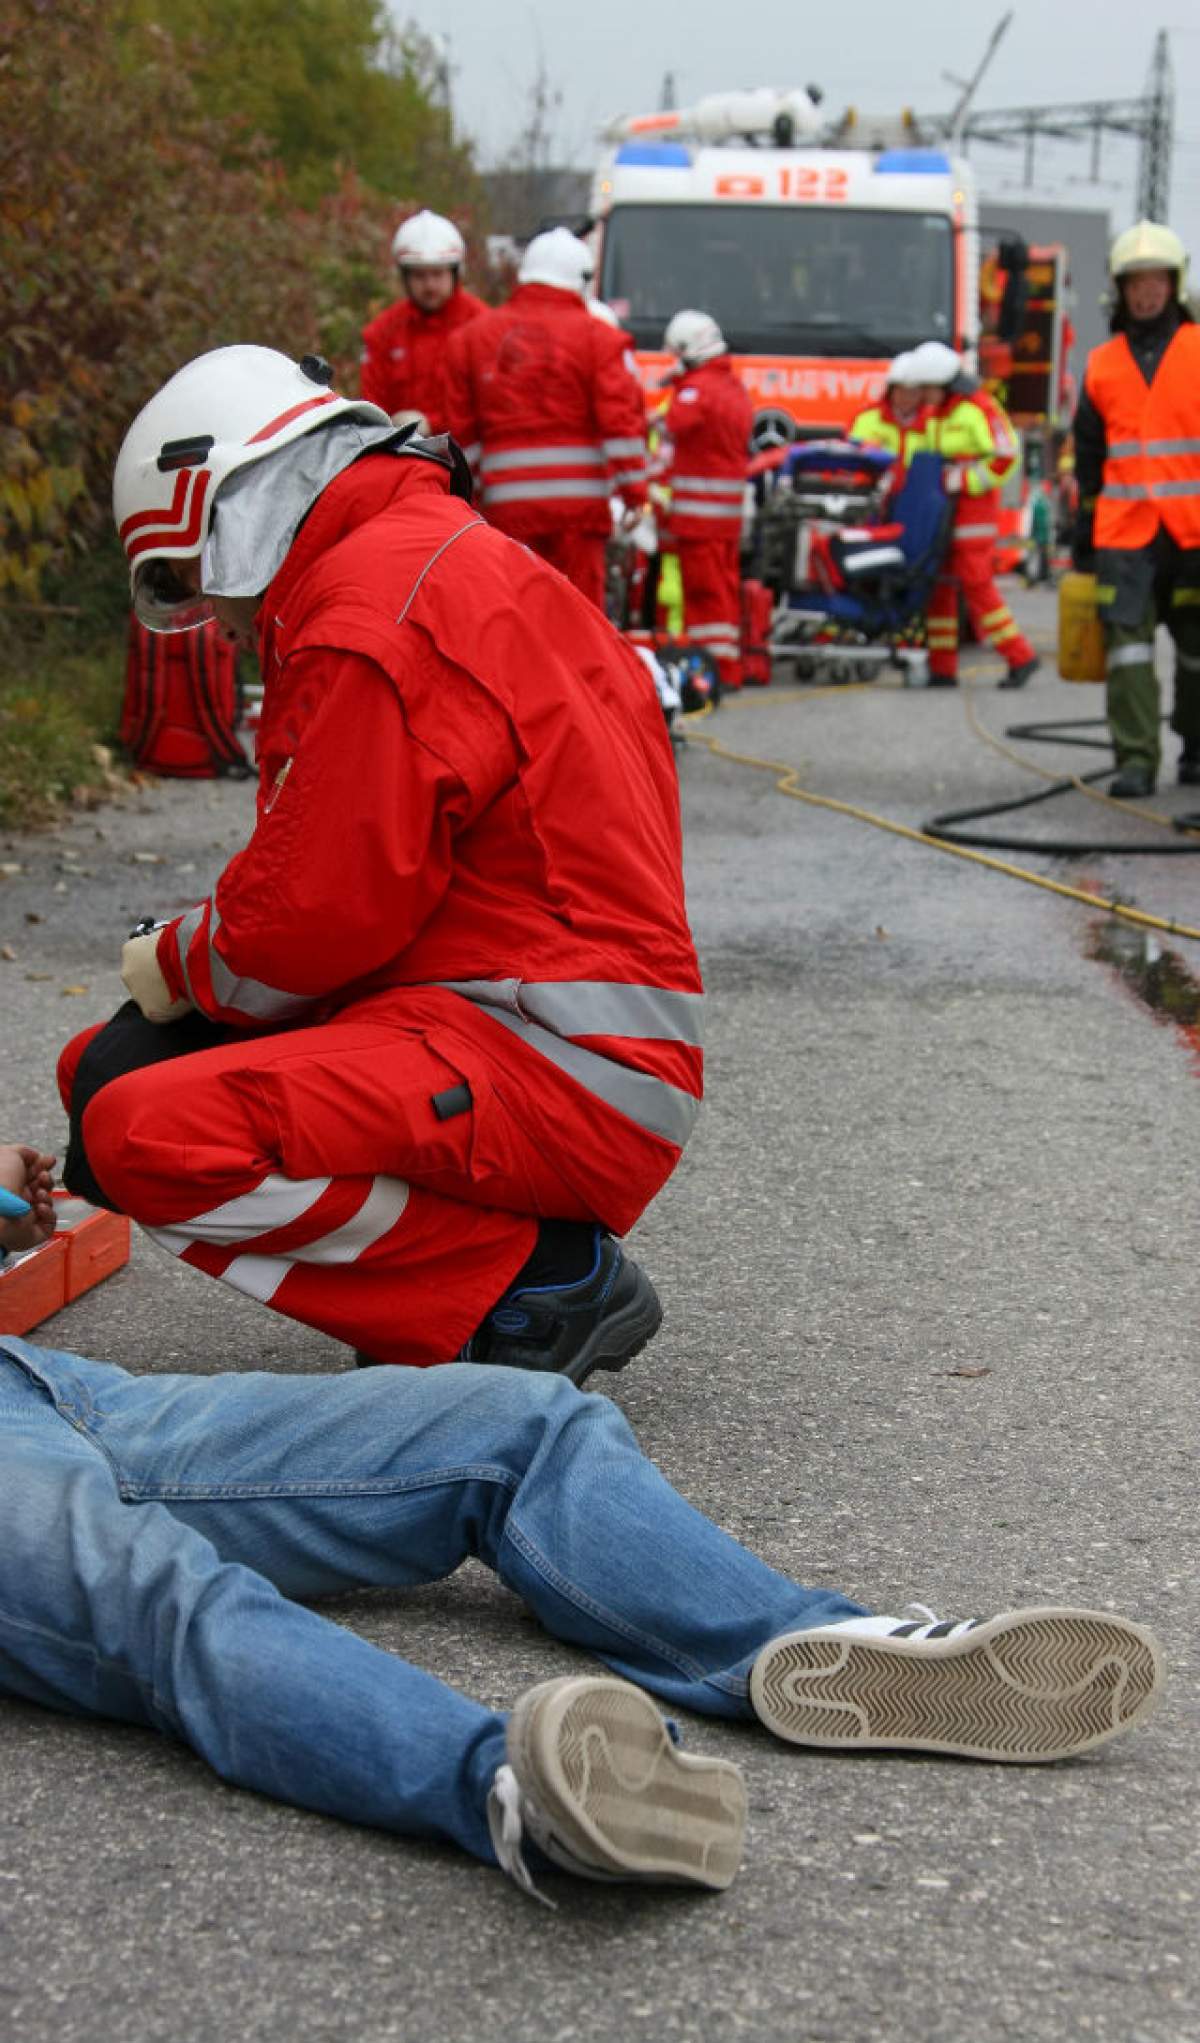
145 984
28 1174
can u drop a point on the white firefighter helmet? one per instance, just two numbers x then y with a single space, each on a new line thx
695 337
221 412
557 257
902 370
427 241
1149 247
934 362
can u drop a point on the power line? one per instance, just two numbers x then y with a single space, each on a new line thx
1149 121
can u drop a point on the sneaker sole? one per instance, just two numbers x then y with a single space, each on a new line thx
597 1757
1036 1685
621 1334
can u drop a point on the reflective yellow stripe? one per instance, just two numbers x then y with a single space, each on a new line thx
996 616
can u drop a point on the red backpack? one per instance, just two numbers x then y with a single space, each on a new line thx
182 703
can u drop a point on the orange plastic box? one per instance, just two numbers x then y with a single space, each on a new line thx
89 1246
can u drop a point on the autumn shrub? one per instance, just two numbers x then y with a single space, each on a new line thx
145 216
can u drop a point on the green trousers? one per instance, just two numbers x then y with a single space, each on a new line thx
1133 694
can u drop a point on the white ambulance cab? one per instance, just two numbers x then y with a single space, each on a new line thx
819 258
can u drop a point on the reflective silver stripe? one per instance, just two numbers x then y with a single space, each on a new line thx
251 996
973 532
873 556
616 448
1175 489
629 475
1131 656
690 508
275 1201
713 633
1164 448
183 938
591 1007
533 492
261 1276
709 486
1124 492
650 1102
1124 450
473 453
548 457
599 1007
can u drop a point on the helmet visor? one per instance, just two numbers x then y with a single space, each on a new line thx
163 600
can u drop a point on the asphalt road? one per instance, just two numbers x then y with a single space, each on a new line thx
931 1295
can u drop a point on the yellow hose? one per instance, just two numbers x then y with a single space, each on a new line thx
787 784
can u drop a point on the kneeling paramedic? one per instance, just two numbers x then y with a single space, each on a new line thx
434 1039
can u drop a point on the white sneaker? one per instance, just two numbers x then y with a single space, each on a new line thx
595 1780
1033 1684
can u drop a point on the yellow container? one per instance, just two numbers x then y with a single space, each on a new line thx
1080 632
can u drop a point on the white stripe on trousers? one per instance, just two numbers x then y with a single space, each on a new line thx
277 1202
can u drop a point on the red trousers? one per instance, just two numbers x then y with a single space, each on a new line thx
311 1170
712 601
577 555
969 571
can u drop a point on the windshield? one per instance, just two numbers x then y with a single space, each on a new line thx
821 280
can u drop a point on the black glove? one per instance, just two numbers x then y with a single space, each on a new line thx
1083 549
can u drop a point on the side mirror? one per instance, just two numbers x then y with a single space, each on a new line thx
1012 254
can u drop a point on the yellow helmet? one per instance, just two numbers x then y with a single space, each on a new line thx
1149 247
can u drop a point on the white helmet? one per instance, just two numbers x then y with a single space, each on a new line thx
427 241
223 411
902 370
695 337
1149 247
558 258
934 362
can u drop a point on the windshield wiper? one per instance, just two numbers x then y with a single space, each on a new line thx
849 336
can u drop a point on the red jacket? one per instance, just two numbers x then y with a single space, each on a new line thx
540 396
468 811
708 424
404 355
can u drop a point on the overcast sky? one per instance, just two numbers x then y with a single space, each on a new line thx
609 56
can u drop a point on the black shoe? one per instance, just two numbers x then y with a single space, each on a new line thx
942 681
1131 783
1016 677
600 1322
1189 765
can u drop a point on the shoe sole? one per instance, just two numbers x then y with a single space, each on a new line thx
598 1760
621 1334
1035 1685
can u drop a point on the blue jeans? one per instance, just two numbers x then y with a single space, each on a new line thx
154 1531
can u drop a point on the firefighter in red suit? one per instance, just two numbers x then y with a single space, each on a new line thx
980 449
404 347
543 401
434 1038
708 426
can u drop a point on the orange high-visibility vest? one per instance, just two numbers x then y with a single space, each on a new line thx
1152 461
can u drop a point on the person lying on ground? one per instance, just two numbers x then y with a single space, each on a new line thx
433 1043
160 1535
